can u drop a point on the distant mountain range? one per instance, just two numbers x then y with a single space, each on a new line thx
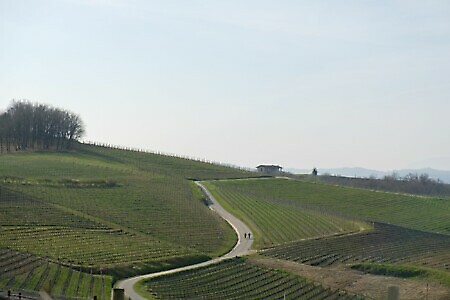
362 172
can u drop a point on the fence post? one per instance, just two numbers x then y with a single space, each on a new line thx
393 293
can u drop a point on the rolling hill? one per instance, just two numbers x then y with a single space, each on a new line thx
73 222
110 212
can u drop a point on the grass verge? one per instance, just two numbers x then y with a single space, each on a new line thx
141 288
405 271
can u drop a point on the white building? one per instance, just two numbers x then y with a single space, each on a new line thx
269 169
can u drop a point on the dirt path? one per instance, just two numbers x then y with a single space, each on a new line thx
340 277
241 248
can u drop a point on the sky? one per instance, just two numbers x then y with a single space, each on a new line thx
301 84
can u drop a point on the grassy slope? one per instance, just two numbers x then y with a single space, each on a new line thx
423 213
415 187
405 271
276 222
151 214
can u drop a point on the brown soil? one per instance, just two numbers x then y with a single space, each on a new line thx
372 286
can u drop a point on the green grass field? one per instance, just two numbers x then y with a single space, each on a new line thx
275 222
236 279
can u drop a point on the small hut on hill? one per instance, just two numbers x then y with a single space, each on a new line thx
269 169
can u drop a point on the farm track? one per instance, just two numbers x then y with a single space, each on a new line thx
241 248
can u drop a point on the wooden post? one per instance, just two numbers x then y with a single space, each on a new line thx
118 294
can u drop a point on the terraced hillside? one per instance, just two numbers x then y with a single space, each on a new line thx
112 211
276 222
237 279
418 212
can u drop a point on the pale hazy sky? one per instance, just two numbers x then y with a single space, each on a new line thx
296 83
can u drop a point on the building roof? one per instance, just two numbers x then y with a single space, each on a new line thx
269 166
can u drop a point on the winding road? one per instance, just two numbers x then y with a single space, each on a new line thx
241 248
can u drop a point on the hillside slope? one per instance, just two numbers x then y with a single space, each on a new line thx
311 223
418 212
118 211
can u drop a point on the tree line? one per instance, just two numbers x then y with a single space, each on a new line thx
412 183
25 125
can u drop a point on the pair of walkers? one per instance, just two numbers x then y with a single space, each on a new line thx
247 235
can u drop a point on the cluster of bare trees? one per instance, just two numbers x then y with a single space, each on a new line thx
423 178
412 183
37 126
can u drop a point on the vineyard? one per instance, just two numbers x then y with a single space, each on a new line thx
156 203
387 244
404 210
237 279
275 222
25 272
48 231
72 223
311 224
95 211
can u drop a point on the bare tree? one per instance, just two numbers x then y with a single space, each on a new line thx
5 132
75 128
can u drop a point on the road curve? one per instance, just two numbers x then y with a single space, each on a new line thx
241 248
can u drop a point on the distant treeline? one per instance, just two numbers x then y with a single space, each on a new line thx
418 184
27 125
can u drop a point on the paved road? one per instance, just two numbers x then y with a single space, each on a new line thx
241 248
